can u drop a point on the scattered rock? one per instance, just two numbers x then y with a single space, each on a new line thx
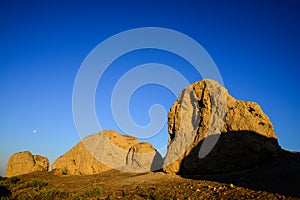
211 132
24 162
108 150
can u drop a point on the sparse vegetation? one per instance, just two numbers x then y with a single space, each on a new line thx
97 191
34 184
14 180
49 194
93 192
76 196
154 196
124 193
111 196
64 171
118 185
4 193
5 198
151 195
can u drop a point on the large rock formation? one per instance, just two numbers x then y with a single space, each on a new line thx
107 150
25 162
210 132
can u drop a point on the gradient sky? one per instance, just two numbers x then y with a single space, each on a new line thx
255 45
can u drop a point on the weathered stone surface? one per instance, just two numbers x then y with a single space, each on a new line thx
210 131
25 162
143 157
78 161
101 152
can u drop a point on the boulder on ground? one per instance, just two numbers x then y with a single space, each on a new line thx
211 132
24 162
101 152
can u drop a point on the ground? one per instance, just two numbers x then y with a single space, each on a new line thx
279 179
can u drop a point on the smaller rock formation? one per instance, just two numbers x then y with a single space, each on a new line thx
143 157
108 150
25 162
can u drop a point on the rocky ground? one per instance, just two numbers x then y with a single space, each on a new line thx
277 180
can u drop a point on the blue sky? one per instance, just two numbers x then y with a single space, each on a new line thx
255 45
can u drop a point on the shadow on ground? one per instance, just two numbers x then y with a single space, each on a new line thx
4 192
281 176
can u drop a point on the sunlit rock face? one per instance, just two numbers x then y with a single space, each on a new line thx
24 162
108 150
210 131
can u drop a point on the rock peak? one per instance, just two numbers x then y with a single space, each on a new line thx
210 131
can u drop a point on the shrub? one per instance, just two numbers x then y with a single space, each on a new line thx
111 196
5 193
14 180
93 192
64 171
124 193
49 194
76 196
152 196
89 193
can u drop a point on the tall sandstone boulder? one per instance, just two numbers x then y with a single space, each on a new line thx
24 162
104 151
212 132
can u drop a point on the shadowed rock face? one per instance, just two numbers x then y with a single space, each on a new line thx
25 162
210 131
107 150
143 157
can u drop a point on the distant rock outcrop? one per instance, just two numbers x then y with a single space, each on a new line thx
210 132
24 162
104 151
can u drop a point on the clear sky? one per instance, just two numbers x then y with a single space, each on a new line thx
255 45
